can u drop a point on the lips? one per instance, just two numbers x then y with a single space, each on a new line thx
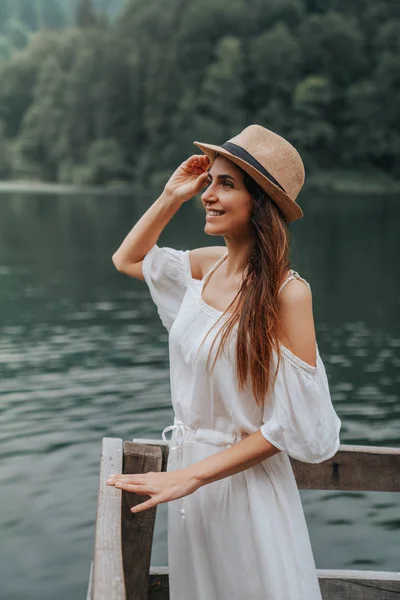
211 217
219 213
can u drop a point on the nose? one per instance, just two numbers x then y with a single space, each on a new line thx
208 195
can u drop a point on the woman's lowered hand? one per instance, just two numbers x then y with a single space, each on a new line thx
161 487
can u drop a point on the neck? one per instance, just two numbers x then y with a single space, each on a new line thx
239 253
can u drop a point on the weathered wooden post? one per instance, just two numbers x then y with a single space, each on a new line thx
123 540
137 529
107 575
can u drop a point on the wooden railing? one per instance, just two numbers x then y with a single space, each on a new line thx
122 550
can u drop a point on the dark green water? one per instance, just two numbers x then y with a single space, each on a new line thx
83 355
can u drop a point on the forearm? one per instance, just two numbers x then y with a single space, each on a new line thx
147 230
245 454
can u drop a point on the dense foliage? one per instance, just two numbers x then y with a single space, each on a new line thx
123 100
19 19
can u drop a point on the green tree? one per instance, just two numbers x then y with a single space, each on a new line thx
222 88
198 30
274 63
28 13
364 138
105 160
18 78
5 162
312 133
18 34
333 46
85 15
388 84
387 38
260 16
6 47
4 14
52 14
42 137
378 13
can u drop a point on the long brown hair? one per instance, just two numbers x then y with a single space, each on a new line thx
257 303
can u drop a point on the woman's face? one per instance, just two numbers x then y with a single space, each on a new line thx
226 192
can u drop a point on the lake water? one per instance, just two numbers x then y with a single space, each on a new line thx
84 356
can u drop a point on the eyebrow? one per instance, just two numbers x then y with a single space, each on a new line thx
223 176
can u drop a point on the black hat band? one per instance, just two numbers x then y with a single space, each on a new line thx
246 156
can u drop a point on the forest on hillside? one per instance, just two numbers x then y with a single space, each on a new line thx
20 19
104 96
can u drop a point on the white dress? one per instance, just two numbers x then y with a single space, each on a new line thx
243 536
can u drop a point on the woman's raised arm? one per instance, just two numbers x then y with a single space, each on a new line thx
188 179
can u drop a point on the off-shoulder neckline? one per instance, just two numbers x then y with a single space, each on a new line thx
211 310
215 313
299 362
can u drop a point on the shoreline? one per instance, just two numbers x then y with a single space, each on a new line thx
351 182
322 182
31 187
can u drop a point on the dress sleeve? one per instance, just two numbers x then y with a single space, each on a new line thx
167 273
299 417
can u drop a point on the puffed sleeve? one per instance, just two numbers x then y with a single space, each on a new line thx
167 273
299 417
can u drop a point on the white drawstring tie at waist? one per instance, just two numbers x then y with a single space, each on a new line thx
180 432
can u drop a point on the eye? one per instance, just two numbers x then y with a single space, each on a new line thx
224 183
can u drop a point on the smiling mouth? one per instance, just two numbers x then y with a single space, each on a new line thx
215 213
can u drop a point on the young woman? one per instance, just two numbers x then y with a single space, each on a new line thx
249 388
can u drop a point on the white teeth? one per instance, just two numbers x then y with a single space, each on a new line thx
214 213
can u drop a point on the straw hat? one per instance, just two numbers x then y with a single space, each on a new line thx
270 160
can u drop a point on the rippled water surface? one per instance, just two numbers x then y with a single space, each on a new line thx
83 355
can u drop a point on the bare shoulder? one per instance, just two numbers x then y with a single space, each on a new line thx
202 259
297 320
294 292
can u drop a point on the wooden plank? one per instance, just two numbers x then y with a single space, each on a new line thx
137 529
359 585
161 444
90 586
353 468
108 574
158 584
335 584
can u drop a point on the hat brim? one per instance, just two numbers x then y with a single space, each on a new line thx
289 207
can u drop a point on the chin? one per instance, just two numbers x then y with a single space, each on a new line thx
213 230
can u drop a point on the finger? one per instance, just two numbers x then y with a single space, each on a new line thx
196 160
117 482
132 477
141 490
198 185
111 479
198 171
203 160
202 180
144 506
